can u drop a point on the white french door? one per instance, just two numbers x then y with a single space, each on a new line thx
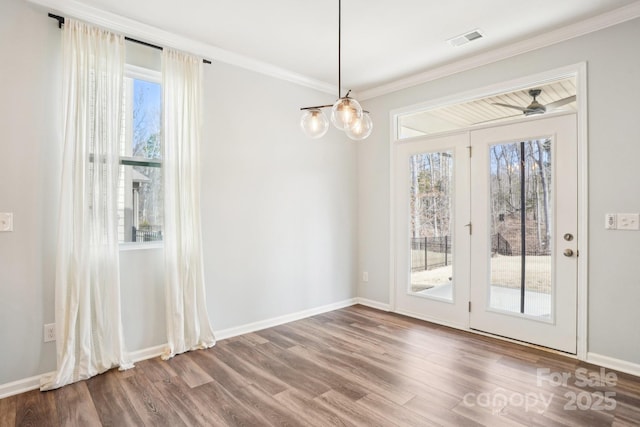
524 243
485 225
432 239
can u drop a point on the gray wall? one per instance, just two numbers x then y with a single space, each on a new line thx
279 210
29 163
614 175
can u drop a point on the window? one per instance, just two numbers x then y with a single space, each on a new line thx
140 193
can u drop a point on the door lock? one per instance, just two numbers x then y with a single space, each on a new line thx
568 237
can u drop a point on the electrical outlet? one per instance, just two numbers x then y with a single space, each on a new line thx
365 276
6 221
49 332
628 221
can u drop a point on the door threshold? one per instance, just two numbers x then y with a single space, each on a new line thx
486 334
523 343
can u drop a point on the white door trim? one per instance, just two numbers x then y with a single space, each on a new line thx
580 72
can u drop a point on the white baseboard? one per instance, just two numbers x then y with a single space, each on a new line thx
33 383
275 321
156 351
373 304
20 386
147 353
613 363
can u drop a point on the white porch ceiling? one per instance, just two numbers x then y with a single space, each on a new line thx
382 40
483 110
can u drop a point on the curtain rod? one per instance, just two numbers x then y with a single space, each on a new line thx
60 20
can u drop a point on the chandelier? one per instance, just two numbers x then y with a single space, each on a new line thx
346 113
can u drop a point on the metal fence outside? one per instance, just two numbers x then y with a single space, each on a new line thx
428 253
510 245
146 234
500 245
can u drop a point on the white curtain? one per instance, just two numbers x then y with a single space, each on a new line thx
88 320
188 326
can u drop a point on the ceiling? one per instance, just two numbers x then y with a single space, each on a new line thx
382 40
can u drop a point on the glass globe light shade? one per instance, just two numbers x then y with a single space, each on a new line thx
361 128
314 123
344 112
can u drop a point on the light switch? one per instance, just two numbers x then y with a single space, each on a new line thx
610 221
628 221
6 221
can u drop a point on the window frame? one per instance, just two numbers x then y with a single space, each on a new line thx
140 73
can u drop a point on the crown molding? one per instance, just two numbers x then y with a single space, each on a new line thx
135 29
609 19
154 35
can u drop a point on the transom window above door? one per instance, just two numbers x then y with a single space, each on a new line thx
550 97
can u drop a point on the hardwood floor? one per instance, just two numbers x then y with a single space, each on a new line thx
355 366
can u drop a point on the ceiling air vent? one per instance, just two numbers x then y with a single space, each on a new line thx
466 38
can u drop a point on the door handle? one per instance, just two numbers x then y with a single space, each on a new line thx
568 252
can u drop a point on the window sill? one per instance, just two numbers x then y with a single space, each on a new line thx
125 247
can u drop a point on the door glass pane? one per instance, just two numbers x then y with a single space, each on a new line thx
431 224
521 226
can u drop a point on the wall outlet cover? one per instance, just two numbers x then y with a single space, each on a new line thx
628 221
49 332
6 221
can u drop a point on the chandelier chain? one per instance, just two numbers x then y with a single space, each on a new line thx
339 48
